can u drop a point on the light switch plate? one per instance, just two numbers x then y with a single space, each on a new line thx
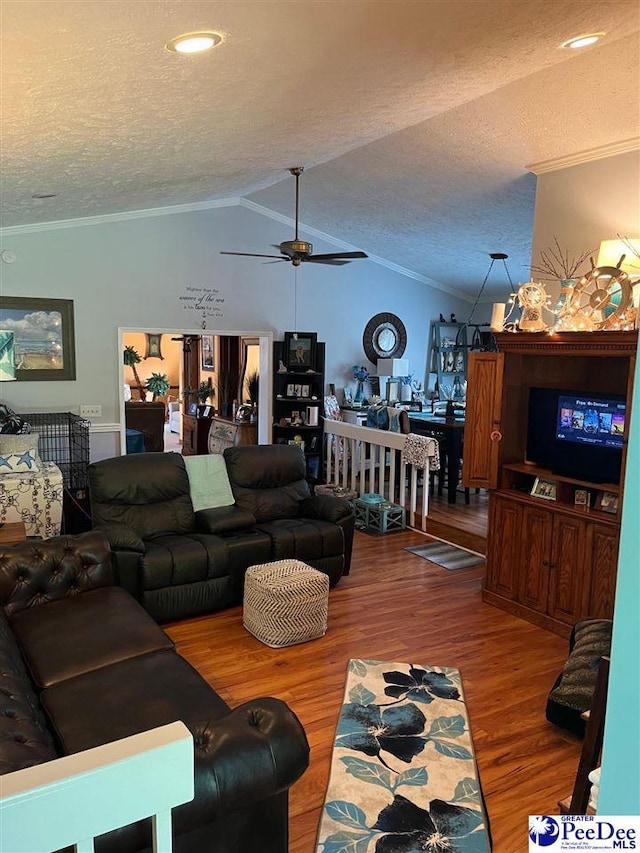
90 411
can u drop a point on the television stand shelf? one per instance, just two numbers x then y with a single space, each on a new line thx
582 497
551 557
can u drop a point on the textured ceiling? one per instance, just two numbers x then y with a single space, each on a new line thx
414 119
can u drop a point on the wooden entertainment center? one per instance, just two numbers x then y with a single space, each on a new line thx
550 561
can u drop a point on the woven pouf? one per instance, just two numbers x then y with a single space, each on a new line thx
285 603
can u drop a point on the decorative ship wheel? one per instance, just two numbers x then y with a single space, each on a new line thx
600 300
532 299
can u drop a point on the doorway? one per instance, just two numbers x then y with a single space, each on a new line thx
191 361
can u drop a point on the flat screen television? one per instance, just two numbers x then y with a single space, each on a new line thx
576 434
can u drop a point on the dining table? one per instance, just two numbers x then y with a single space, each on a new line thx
449 432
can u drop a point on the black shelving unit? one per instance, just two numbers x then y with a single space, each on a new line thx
300 393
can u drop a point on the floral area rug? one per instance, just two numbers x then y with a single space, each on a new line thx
403 774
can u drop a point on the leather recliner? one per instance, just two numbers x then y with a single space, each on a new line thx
180 563
269 482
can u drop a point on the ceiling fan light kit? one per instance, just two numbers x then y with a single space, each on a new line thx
299 251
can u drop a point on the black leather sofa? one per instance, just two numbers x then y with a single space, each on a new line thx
181 563
83 664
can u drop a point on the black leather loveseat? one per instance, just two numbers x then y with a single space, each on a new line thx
180 563
83 664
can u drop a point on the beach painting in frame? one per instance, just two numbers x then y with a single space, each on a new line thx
43 335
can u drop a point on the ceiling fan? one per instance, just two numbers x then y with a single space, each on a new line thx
299 251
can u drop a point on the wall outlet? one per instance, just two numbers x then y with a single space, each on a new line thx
90 411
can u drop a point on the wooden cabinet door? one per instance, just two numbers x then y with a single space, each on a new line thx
536 535
569 573
503 553
482 427
602 546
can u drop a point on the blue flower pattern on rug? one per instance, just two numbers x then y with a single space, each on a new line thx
374 817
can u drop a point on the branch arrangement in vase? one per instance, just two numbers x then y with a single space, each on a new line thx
556 264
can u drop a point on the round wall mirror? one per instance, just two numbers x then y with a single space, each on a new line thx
384 337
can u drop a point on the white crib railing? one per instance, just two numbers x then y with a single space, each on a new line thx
362 459
71 800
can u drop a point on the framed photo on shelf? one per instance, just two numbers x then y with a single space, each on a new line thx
291 390
607 502
299 351
304 391
582 497
193 408
545 489
393 391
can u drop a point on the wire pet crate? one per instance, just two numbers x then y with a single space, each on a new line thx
64 439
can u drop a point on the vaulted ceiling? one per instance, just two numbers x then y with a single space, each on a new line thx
415 119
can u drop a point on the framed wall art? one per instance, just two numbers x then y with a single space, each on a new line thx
43 336
207 349
299 350
153 346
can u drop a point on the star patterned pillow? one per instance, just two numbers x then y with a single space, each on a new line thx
19 454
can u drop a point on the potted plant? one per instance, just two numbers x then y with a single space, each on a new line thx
205 391
131 358
158 384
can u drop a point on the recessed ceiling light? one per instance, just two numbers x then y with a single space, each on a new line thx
194 42
582 41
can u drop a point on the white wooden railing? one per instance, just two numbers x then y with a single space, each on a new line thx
71 800
361 459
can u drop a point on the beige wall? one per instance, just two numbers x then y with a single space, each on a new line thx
170 364
583 205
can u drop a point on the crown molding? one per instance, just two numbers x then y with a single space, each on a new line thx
349 247
102 219
149 213
599 153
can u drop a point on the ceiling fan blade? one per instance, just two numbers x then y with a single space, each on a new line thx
252 255
336 255
320 259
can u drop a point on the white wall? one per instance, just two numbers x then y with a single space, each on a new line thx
135 273
583 205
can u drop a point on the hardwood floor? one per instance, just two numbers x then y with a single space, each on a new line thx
463 524
395 606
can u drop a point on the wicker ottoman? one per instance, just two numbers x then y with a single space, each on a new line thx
285 603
